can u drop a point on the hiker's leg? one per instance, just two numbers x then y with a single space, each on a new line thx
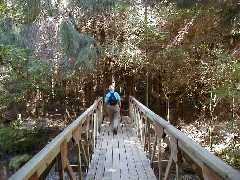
116 116
111 115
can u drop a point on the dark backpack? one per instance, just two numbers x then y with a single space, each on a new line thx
112 99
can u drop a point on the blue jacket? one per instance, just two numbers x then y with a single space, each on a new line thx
117 96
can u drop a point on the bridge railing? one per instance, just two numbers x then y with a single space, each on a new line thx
82 132
155 132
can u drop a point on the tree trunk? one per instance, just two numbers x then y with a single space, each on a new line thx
147 90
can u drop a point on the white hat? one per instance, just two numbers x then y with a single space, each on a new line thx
111 88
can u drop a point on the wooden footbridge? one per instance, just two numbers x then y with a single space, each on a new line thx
146 147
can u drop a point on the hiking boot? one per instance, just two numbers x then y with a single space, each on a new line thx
115 131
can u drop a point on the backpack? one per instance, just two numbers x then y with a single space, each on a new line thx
112 99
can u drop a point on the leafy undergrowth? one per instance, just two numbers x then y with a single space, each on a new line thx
18 141
226 139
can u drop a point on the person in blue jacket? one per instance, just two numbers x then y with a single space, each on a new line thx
112 99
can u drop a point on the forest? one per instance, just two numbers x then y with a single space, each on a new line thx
180 58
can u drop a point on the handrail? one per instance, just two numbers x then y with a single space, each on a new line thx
211 166
56 150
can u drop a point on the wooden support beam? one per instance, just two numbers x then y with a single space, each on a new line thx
65 164
160 161
79 161
195 167
174 148
179 168
47 170
60 168
75 168
87 151
158 130
70 171
153 150
159 135
77 133
64 154
84 154
77 137
209 174
155 164
34 176
169 168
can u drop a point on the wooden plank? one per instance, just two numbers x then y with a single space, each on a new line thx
141 170
115 164
100 166
124 170
121 157
108 163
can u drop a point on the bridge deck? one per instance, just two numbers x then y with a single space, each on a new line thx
119 156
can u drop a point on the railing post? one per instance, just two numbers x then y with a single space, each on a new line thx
144 131
95 129
141 126
100 115
77 138
159 135
130 109
138 122
64 162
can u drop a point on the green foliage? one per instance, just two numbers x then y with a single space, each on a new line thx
17 139
12 64
3 9
28 10
98 6
18 161
187 4
6 12
230 17
227 143
20 75
82 48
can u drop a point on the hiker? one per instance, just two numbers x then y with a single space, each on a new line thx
112 100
